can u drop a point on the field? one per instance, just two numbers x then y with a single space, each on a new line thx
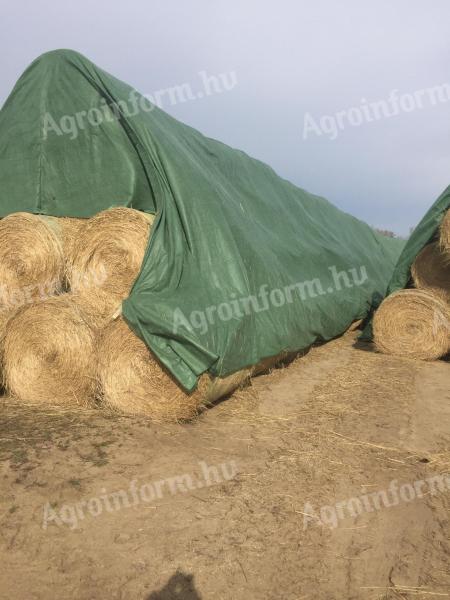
318 481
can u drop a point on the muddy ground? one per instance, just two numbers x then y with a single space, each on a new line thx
323 480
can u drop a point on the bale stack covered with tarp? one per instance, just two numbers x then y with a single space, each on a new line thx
415 322
241 266
64 343
50 336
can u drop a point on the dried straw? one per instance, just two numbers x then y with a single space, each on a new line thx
107 255
268 364
413 323
132 381
49 353
31 259
5 315
97 306
431 270
224 386
71 229
444 239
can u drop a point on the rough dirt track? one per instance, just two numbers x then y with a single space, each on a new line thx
342 422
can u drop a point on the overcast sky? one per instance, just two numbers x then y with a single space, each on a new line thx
292 60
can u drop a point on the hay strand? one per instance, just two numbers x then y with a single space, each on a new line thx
132 381
413 323
49 353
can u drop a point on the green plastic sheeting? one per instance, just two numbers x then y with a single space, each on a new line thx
240 265
425 232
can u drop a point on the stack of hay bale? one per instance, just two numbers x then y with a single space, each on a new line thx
62 342
416 322
62 339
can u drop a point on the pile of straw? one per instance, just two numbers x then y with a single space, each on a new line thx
132 381
49 353
413 323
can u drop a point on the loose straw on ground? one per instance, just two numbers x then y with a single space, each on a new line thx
414 324
49 353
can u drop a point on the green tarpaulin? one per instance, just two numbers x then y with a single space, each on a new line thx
425 232
240 265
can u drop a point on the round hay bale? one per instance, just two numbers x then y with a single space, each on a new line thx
444 238
108 254
132 381
49 354
431 270
413 323
31 259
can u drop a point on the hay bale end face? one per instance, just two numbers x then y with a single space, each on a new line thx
49 354
414 324
444 238
31 259
107 254
431 270
133 382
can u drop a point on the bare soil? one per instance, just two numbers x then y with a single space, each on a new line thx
245 518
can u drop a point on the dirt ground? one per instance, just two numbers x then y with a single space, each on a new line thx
319 481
